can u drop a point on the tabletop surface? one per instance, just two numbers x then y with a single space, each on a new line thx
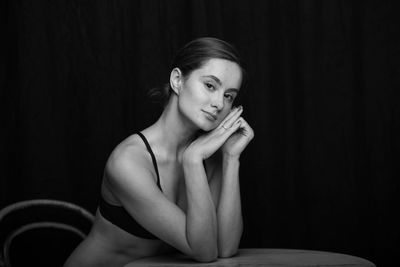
262 257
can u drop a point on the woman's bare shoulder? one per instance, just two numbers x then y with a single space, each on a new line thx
129 159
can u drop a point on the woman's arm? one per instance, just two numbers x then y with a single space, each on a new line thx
225 190
204 226
193 233
229 210
201 221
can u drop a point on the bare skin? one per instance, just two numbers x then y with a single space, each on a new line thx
198 212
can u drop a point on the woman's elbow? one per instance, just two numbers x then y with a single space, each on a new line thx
227 253
206 256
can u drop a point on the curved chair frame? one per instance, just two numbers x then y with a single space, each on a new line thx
5 253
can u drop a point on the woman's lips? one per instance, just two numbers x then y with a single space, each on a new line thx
210 116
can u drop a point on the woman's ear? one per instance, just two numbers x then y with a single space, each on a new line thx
175 80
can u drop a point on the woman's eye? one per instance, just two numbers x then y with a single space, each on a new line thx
210 86
230 97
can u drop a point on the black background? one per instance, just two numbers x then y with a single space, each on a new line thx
323 170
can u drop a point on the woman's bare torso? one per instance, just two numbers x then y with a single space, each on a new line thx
109 245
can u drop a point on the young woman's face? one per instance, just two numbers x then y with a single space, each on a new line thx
208 93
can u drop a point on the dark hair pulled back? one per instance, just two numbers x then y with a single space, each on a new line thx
192 56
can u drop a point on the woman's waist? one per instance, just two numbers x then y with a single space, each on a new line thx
122 242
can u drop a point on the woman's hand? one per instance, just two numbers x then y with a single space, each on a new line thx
206 145
238 141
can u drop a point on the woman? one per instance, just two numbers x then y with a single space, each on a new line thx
175 185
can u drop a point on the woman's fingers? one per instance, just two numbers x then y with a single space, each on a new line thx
246 130
231 113
231 118
226 132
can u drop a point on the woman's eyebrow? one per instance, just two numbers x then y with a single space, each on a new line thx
214 78
233 90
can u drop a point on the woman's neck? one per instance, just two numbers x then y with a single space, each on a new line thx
172 131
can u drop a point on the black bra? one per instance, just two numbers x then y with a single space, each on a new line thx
118 215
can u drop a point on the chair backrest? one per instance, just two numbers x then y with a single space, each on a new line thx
41 232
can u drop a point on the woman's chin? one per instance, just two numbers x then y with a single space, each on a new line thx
207 127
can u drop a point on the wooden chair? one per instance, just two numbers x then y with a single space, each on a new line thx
41 232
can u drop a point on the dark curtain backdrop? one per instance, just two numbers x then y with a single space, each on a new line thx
323 170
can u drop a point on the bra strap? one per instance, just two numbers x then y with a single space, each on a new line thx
153 157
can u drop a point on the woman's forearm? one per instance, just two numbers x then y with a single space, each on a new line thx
201 219
229 211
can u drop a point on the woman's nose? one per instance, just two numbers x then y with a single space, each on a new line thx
218 101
